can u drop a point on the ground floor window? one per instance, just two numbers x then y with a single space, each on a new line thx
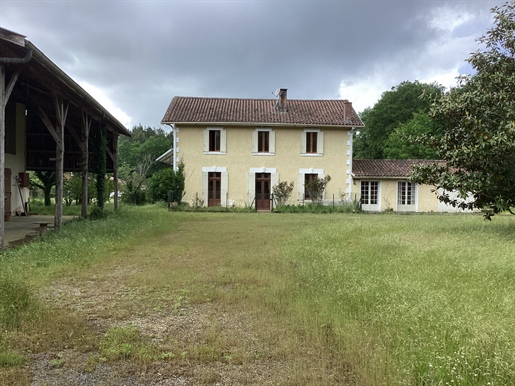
214 188
308 177
369 192
405 193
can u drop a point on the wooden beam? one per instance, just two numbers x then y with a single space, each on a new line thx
46 121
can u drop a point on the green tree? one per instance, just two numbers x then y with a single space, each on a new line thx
479 115
44 180
316 188
394 108
282 192
402 143
167 184
144 143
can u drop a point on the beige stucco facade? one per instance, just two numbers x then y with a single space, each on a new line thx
424 199
238 161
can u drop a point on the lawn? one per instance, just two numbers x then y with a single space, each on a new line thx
149 295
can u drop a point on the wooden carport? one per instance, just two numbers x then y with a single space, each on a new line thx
61 119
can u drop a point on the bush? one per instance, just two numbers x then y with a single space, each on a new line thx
167 185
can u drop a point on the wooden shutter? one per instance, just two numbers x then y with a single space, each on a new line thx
204 184
252 187
271 147
224 188
320 143
223 140
254 141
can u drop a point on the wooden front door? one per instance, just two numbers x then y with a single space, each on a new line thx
214 190
263 191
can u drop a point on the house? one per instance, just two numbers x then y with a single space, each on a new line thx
50 123
382 185
236 150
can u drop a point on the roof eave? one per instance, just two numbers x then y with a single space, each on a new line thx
274 124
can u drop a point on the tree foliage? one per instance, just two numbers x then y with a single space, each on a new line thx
316 188
282 192
479 116
167 185
396 107
142 144
44 180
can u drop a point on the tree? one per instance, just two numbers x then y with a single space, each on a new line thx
142 144
479 116
282 192
401 143
316 188
44 180
395 107
167 184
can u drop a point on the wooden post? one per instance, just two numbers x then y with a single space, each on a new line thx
86 126
61 112
3 103
115 170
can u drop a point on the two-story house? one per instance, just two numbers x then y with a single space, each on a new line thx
236 150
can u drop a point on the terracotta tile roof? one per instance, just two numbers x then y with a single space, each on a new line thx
387 168
261 111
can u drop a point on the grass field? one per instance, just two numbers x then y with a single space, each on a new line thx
246 298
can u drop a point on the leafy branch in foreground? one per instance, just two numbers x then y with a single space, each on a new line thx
478 145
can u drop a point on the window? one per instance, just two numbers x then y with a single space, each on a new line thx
405 193
311 142
214 140
263 141
369 192
214 190
307 179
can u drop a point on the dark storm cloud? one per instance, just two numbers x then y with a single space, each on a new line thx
142 53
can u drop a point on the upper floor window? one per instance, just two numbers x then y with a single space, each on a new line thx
263 142
312 142
214 140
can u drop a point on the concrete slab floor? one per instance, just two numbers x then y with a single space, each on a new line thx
22 229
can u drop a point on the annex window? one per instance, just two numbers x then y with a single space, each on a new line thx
263 142
369 192
406 195
214 140
312 142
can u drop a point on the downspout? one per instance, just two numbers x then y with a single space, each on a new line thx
351 175
174 145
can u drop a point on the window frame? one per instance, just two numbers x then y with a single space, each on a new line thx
304 139
208 139
256 138
406 196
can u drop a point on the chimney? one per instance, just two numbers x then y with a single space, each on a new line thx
282 105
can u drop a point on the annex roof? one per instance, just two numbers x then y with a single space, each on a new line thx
198 110
386 168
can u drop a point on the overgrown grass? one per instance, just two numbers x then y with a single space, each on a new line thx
336 298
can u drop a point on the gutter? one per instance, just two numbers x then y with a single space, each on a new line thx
24 60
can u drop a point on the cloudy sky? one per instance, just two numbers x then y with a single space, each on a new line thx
134 56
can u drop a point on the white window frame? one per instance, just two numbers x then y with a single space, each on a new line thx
224 183
411 207
271 142
369 206
320 143
223 140
302 178
274 180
